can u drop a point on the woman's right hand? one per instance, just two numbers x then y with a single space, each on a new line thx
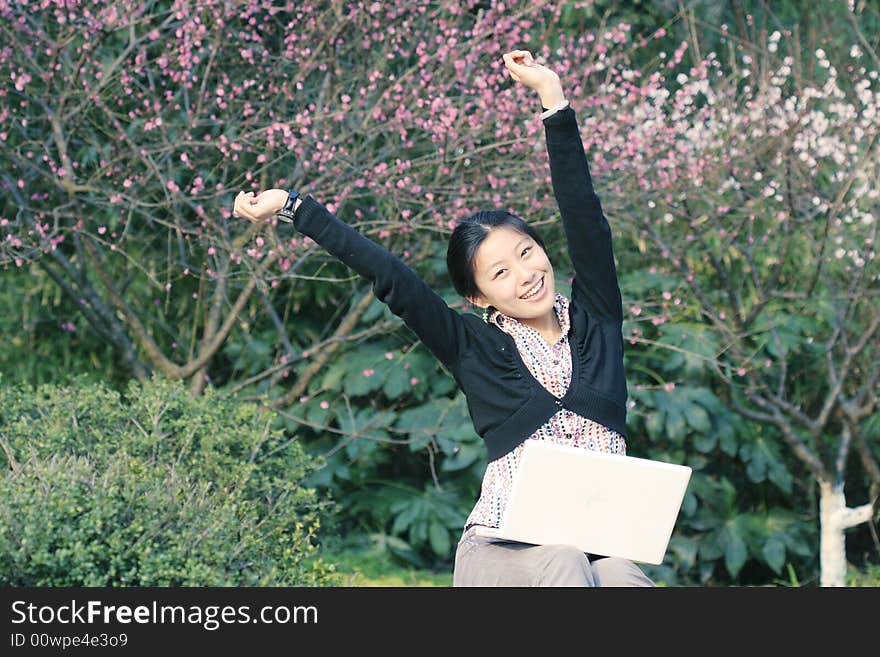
260 207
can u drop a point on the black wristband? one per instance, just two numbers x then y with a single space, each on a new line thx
286 213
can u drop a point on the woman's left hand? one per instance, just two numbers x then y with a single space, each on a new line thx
260 207
523 68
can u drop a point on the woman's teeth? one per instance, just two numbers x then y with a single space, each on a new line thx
534 290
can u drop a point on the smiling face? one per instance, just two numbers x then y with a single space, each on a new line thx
514 274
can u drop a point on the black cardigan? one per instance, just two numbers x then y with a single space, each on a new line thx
506 403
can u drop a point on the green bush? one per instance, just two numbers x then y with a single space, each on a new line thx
152 488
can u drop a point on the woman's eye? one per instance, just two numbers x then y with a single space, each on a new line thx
526 250
499 272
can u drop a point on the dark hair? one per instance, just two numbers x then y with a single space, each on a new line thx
466 239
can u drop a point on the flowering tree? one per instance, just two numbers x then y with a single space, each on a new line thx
129 124
127 128
754 178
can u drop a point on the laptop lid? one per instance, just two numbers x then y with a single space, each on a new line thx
605 504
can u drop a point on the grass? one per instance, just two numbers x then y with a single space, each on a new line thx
868 576
379 569
375 567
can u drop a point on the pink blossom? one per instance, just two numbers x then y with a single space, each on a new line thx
21 80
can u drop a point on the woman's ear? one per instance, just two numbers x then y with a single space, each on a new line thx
479 301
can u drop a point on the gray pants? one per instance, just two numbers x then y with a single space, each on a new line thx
480 561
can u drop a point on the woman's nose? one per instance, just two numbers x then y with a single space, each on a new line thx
527 279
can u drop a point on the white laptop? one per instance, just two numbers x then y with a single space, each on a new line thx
605 504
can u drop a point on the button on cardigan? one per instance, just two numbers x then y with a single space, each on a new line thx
506 403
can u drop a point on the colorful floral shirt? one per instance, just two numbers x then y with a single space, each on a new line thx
551 366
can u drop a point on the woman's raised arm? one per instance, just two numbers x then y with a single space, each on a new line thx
439 327
586 228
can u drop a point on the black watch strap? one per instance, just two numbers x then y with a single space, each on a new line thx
286 213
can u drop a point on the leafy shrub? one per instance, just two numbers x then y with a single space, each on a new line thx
153 489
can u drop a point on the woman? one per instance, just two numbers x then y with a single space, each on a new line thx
536 366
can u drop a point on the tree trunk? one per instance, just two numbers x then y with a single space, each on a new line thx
834 518
832 542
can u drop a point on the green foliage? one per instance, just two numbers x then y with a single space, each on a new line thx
45 340
151 489
731 534
400 452
737 522
376 472
429 517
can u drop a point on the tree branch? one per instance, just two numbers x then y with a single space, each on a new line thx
865 455
854 516
94 310
843 454
776 417
344 328
294 359
197 383
167 367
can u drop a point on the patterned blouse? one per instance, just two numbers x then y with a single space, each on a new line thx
551 365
